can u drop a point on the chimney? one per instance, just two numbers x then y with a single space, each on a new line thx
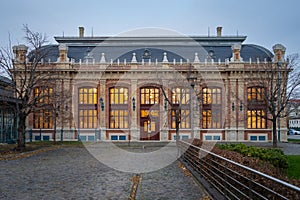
81 31
20 52
219 31
63 51
236 53
279 51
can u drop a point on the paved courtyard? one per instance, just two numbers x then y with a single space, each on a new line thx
73 173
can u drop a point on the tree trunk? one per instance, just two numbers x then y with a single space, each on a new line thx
177 122
274 132
21 131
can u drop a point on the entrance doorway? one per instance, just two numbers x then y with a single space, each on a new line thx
149 113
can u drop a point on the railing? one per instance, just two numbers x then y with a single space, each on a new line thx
233 180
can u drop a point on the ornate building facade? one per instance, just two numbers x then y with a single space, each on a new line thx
141 87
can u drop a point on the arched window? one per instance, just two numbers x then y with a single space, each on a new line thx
212 107
87 108
181 97
118 108
256 113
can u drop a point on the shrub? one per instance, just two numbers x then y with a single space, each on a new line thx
275 156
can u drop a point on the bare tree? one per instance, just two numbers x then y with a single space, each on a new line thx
179 102
279 83
60 105
24 70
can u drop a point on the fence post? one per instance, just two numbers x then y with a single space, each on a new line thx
61 134
30 135
79 135
40 134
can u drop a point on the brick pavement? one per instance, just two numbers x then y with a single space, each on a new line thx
72 173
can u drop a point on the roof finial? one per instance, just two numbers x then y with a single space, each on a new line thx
196 60
102 60
165 58
133 60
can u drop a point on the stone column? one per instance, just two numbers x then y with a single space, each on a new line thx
241 108
231 115
134 129
103 114
165 126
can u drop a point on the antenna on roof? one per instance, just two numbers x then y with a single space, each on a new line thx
92 32
63 34
237 33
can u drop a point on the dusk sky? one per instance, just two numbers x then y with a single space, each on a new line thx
264 22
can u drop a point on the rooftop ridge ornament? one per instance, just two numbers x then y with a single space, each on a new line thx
165 58
133 60
196 60
102 60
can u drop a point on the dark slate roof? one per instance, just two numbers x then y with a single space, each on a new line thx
48 52
212 49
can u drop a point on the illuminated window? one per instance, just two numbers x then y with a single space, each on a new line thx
118 108
181 97
255 93
87 108
43 114
184 119
256 114
256 119
211 110
149 96
88 96
88 118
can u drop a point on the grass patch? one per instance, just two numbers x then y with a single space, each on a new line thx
50 143
30 146
293 170
294 141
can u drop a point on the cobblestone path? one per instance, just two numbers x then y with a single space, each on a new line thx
72 173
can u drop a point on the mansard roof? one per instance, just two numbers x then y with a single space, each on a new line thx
177 48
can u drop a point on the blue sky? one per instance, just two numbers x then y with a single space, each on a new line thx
264 22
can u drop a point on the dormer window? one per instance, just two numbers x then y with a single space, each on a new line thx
146 54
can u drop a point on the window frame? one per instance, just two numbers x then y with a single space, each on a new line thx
181 98
211 108
43 114
87 107
256 109
118 107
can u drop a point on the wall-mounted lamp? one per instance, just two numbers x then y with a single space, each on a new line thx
133 103
101 103
232 106
198 103
241 106
166 105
